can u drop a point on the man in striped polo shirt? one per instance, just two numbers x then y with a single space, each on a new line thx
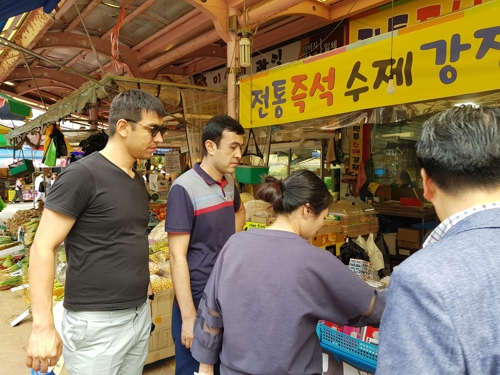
204 210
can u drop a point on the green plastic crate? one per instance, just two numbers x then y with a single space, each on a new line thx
21 168
250 174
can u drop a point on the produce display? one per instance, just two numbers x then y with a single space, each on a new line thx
161 283
245 197
260 209
21 217
160 246
159 255
158 214
14 268
153 268
10 264
4 240
11 282
158 233
29 230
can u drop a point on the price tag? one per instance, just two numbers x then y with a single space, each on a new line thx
20 317
16 273
251 225
20 287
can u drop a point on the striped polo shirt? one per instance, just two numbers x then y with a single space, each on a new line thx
204 208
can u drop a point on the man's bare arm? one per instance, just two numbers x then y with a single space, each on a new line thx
178 244
44 343
240 218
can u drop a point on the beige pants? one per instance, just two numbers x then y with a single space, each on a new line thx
106 342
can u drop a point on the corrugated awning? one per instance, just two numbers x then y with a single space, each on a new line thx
167 92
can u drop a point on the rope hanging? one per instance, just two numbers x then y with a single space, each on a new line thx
115 53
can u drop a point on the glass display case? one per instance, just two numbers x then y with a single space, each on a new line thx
394 152
285 159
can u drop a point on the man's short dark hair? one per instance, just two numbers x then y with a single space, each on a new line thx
460 149
214 128
130 105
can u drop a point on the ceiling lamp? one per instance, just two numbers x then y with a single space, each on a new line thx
245 47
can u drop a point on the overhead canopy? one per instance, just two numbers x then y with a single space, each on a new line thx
11 109
109 86
11 8
414 60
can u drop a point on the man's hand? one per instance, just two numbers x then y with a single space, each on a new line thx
44 349
187 335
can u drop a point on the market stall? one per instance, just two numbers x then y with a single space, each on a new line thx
361 107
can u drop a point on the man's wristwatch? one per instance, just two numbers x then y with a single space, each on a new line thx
151 297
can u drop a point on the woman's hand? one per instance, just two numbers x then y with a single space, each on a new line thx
205 369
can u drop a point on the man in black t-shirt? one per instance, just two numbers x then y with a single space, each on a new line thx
99 207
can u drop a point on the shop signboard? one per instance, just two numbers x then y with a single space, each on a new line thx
355 148
452 55
172 162
405 13
306 47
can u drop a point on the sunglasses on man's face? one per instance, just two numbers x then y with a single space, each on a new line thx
154 129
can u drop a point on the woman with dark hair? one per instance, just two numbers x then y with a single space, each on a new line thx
404 179
269 288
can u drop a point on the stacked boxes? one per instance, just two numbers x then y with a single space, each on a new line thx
408 241
161 344
327 234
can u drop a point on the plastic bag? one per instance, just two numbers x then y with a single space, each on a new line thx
160 283
164 269
376 256
49 159
158 233
384 249
351 250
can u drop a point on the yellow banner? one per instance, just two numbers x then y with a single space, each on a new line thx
453 55
406 13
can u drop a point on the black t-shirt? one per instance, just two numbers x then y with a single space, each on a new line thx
107 248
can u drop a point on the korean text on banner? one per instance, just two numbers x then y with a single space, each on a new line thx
406 13
355 148
453 55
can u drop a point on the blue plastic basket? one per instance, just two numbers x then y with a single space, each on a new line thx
355 352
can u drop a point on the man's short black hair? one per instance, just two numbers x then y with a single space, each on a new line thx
214 128
130 105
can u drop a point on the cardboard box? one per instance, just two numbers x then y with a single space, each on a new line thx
161 344
370 335
158 355
406 252
162 304
326 235
409 238
260 220
409 245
